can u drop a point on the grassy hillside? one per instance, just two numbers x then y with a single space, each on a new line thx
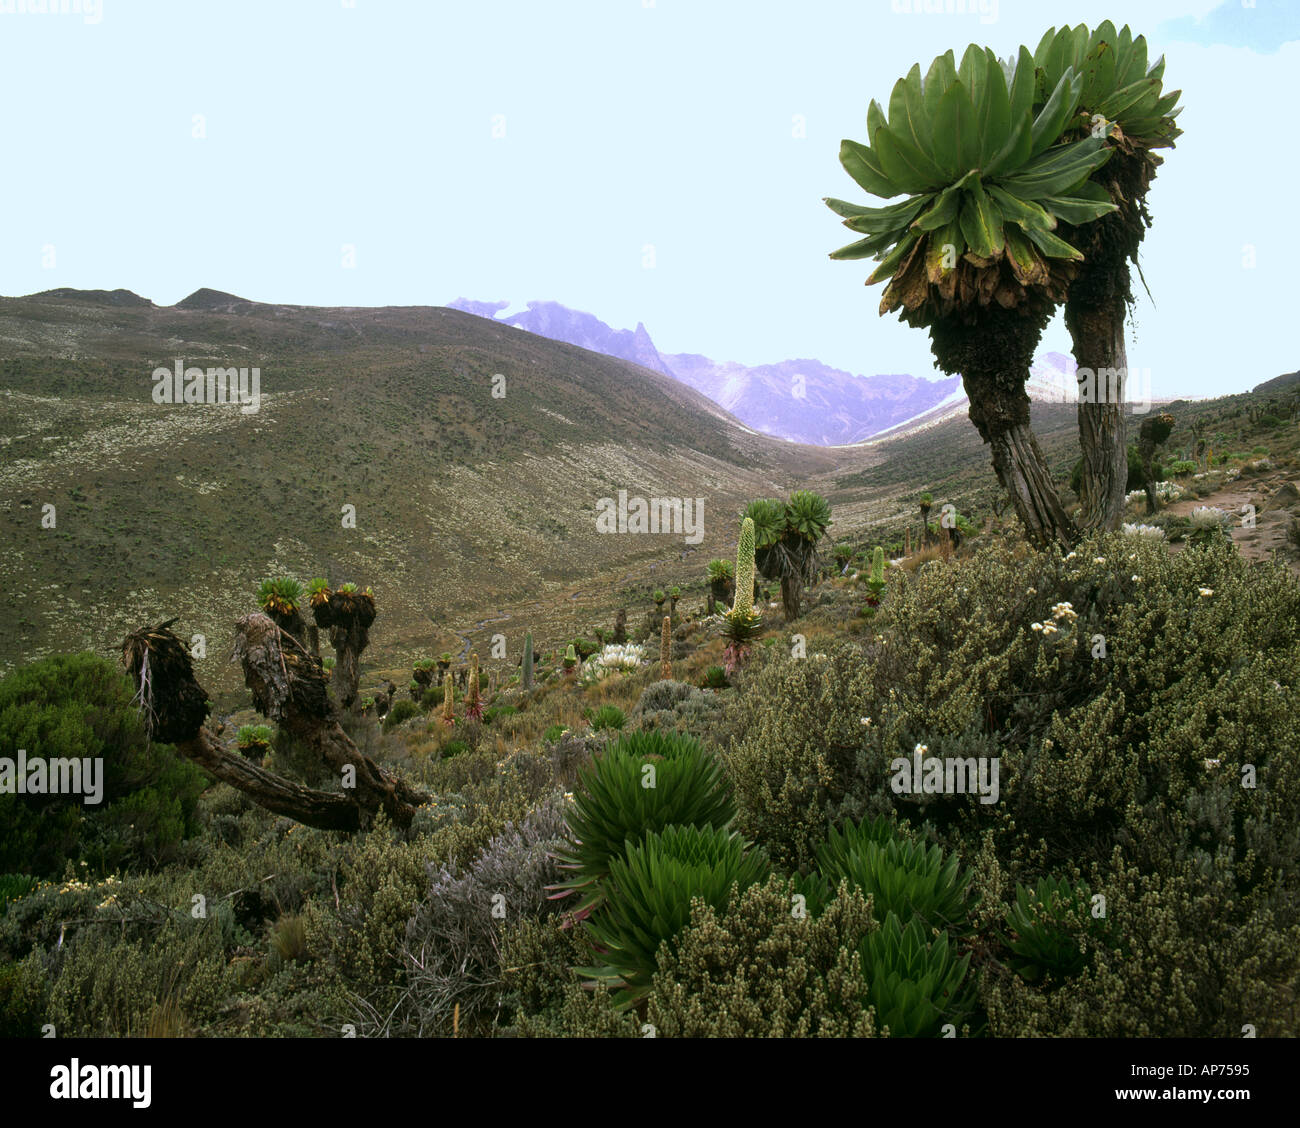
468 507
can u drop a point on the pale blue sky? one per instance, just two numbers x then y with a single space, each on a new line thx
626 124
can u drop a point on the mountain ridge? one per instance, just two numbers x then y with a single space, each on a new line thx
802 400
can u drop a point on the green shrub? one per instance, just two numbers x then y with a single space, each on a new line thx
553 732
13 887
380 878
614 803
431 697
403 710
160 984
649 895
571 751
454 748
1150 730
24 993
607 717
715 677
663 695
1185 959
537 957
757 970
75 706
673 706
783 732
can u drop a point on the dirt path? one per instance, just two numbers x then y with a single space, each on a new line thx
1276 501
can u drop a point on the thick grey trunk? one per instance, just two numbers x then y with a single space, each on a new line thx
792 596
1098 336
993 355
1022 470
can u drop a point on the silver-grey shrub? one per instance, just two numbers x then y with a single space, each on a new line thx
452 945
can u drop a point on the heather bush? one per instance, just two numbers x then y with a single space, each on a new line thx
106 985
379 881
571 751
1184 960
673 706
1139 705
664 695
581 1013
537 957
791 724
755 970
23 998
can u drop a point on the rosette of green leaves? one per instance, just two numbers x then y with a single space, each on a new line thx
851 837
1046 921
768 516
915 985
616 802
649 899
816 891
905 878
252 738
281 595
984 182
807 515
1119 89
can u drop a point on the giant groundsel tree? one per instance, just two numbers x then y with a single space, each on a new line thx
972 251
1122 101
786 539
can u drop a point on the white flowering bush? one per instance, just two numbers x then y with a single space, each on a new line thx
1165 491
1148 532
1209 517
1209 523
615 658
